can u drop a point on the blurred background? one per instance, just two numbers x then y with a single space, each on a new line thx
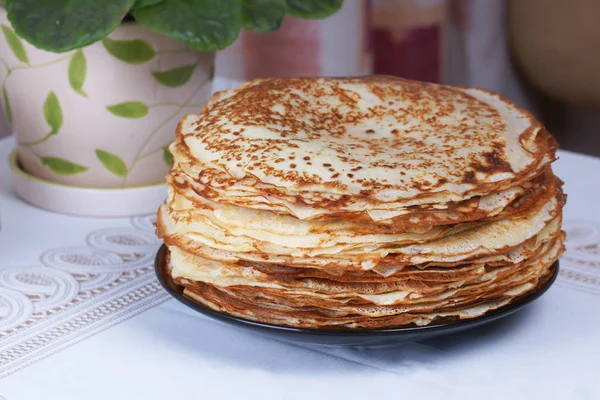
541 54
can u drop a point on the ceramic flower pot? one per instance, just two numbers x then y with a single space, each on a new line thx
103 115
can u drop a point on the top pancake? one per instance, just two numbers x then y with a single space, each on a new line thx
356 144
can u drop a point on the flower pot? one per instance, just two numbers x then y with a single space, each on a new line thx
103 115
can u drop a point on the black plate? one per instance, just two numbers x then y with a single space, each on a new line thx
358 337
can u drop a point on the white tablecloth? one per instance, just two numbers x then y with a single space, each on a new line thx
82 317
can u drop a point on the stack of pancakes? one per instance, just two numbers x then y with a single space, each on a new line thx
360 203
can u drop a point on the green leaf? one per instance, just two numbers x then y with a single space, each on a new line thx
167 156
62 166
201 24
63 25
53 113
15 44
77 72
175 77
129 109
130 51
7 108
146 3
263 15
112 163
315 9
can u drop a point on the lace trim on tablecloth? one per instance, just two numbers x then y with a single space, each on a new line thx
76 292
580 265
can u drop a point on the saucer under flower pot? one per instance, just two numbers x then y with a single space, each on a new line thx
85 201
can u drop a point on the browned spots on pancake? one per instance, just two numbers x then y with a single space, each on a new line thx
493 162
469 177
329 111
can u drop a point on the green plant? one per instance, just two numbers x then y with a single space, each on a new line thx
63 25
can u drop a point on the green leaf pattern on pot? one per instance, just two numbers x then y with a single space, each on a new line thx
76 66
78 72
167 157
175 77
129 109
15 44
263 15
313 8
62 166
53 113
130 51
112 162
6 102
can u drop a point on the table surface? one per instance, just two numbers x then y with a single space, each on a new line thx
83 317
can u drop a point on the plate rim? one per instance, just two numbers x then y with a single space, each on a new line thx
513 306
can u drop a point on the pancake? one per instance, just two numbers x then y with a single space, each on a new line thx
447 141
370 202
193 234
221 187
187 270
474 208
477 299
